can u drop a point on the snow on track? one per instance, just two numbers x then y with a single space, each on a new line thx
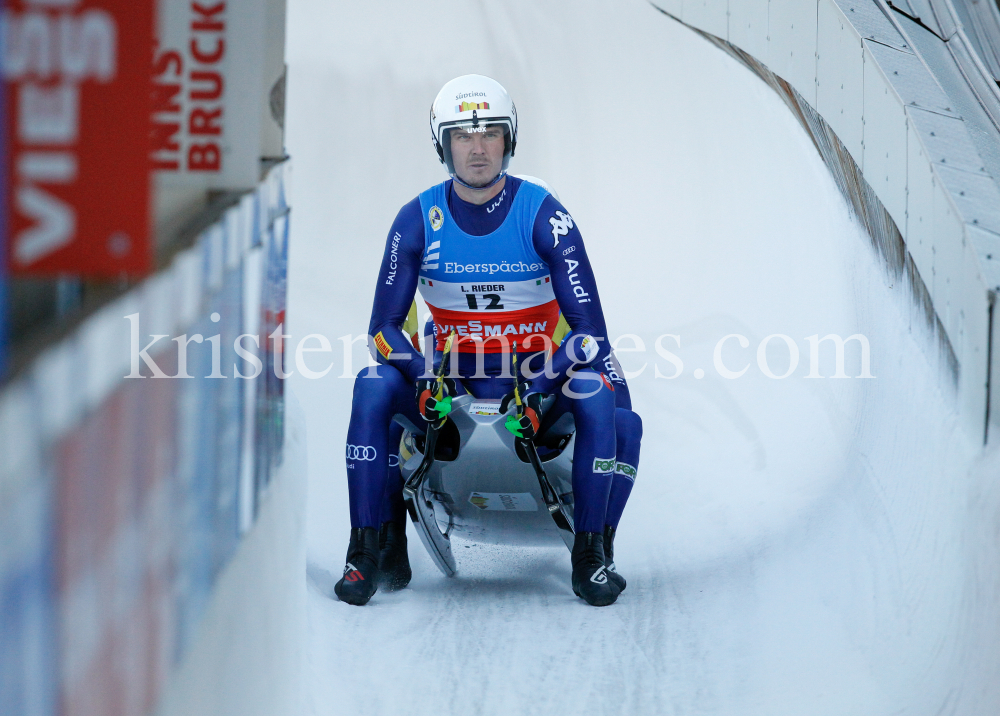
795 546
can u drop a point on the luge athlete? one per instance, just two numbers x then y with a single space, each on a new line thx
497 259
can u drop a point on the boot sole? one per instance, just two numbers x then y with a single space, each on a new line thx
601 602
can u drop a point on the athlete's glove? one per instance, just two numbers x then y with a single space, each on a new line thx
528 419
434 409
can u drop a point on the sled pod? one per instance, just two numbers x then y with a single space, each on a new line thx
481 487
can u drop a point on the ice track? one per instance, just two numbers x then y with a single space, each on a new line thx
796 546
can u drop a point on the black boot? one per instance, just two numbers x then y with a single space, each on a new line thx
609 557
393 561
590 576
360 580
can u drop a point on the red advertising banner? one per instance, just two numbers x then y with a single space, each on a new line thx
77 80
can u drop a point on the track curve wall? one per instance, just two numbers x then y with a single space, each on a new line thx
916 116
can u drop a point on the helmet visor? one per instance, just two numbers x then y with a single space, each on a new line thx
475 148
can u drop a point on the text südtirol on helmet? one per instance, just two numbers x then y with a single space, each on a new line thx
471 103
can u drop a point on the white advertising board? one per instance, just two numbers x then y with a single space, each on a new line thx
214 66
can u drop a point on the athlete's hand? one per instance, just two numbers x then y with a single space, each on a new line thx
525 423
523 388
433 409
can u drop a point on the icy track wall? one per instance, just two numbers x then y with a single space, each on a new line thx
151 536
906 114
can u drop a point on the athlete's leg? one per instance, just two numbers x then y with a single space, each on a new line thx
393 505
394 558
592 402
377 397
379 394
628 433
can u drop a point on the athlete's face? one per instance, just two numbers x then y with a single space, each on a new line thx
478 155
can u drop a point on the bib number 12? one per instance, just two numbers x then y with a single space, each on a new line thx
494 302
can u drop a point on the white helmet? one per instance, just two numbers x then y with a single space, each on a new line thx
472 101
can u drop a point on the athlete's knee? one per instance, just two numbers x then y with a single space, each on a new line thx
592 404
628 424
377 388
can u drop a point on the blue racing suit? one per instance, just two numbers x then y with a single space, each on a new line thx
494 273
